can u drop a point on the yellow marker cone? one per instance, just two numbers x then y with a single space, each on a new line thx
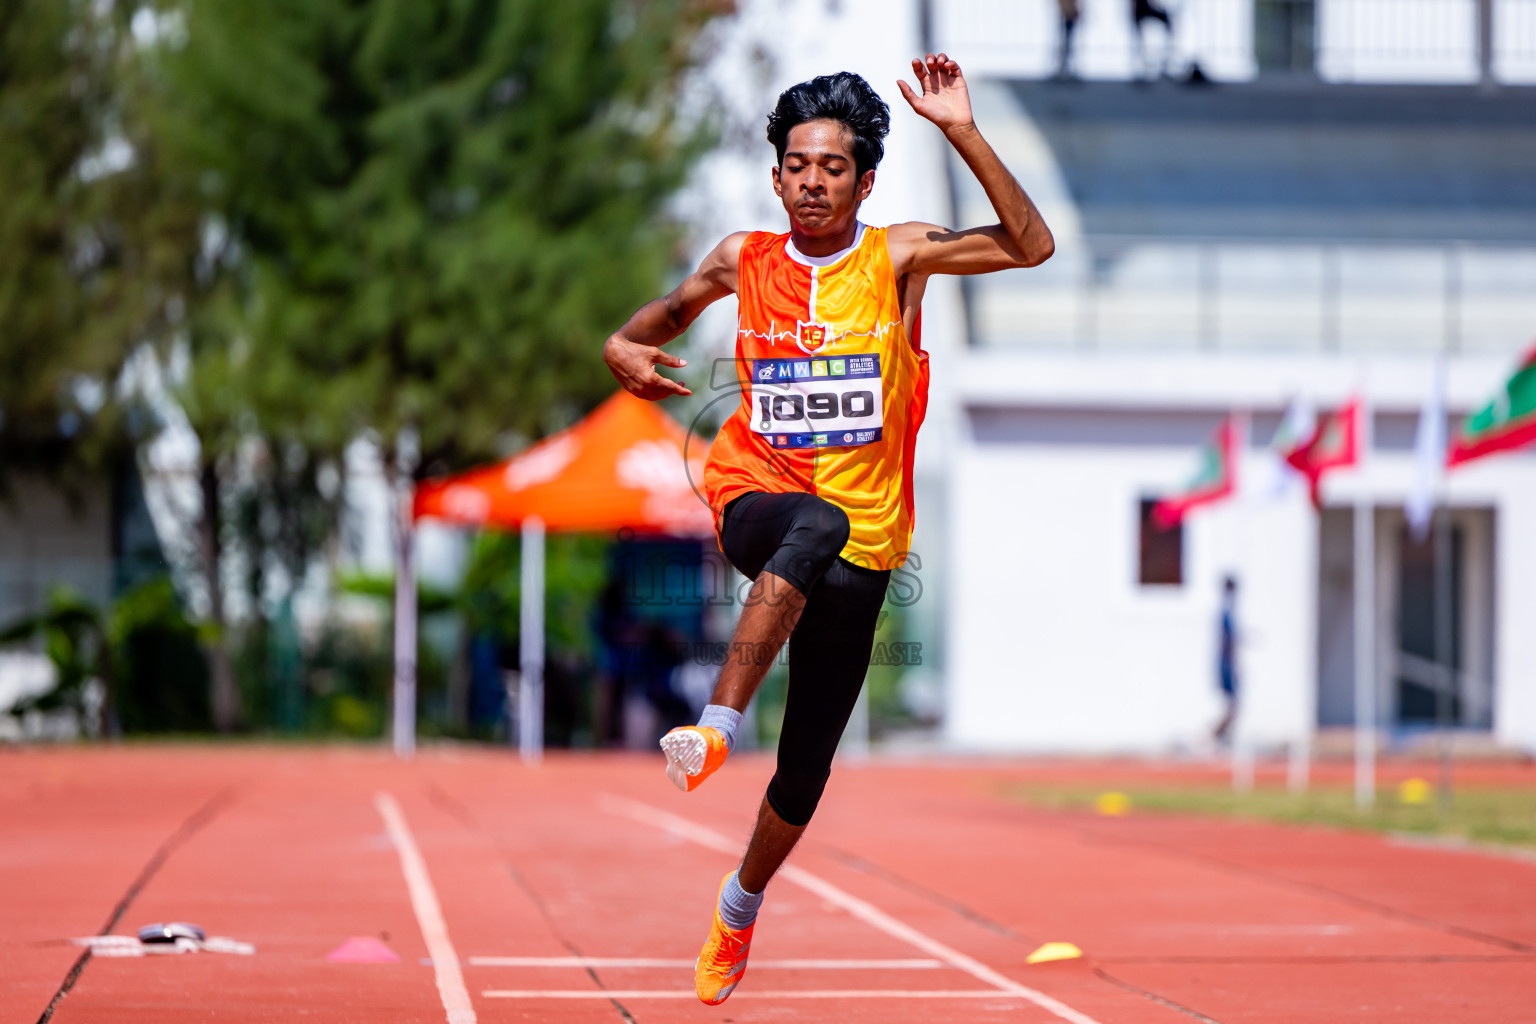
1112 803
1054 951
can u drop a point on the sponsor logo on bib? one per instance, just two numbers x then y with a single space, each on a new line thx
817 403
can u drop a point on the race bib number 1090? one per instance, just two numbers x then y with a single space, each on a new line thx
817 403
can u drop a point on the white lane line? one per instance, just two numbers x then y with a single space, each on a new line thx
688 993
429 914
757 965
866 912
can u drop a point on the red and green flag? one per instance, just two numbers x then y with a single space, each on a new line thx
1333 444
1215 479
1507 422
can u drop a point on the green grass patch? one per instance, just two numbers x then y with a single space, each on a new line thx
1483 815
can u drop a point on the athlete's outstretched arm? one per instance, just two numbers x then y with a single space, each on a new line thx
1020 240
633 352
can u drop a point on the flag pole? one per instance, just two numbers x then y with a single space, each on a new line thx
1365 618
530 709
1445 654
404 725
1296 427
1445 580
1428 511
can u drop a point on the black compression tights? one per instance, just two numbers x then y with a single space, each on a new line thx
798 537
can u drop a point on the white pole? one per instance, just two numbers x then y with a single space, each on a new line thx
530 711
1485 45
1299 768
1365 618
1242 765
405 628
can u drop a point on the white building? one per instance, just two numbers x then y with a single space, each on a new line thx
1230 248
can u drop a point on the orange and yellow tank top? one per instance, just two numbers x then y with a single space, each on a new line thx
832 390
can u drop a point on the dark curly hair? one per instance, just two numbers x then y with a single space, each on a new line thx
843 97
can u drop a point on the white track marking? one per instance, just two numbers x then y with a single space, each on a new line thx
616 962
688 993
866 912
429 914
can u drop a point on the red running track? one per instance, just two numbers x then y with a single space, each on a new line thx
581 890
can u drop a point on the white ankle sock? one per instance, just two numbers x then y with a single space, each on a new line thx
738 908
726 720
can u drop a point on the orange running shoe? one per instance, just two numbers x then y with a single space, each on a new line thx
722 962
694 752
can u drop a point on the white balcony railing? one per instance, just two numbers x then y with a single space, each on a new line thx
1265 295
1429 41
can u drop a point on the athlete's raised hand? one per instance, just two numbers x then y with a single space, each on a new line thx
634 366
944 99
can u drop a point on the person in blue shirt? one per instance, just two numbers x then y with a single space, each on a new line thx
1226 661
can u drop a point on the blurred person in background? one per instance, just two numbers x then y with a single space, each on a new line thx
1070 12
618 633
1142 12
659 658
1226 659
810 478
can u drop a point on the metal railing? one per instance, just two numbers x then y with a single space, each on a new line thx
1127 292
1432 41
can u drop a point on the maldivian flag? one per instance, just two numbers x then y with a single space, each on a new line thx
1509 421
1335 443
1214 480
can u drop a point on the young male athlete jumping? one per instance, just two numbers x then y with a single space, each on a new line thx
811 477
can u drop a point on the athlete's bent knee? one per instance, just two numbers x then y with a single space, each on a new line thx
829 528
817 538
794 796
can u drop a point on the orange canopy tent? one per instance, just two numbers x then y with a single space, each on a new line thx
628 465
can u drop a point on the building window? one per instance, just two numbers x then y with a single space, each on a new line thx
1285 36
1161 554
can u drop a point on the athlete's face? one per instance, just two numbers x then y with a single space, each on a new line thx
819 181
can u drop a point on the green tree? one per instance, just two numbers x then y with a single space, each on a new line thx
189 294
413 220
444 204
63 336
260 469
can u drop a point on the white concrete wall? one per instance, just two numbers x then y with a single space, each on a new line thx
1054 646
